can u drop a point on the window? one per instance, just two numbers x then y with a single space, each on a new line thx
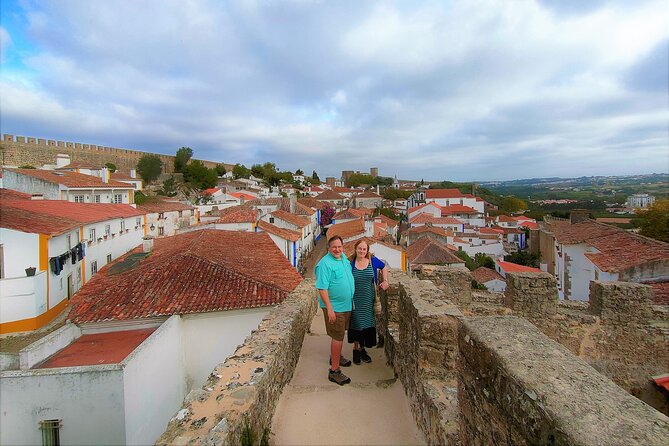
138 221
94 267
122 225
68 241
78 198
161 231
107 230
50 432
79 275
109 258
96 198
271 219
181 214
161 215
91 234
118 198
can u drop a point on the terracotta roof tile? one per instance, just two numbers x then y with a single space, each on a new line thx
435 230
421 206
329 195
387 220
243 195
196 272
429 251
483 275
80 165
347 229
619 249
349 213
8 194
157 206
56 216
429 218
311 203
443 193
457 209
293 219
368 194
71 179
284 233
510 267
239 216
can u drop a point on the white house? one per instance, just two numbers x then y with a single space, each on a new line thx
393 255
164 218
146 333
492 280
238 219
69 186
49 249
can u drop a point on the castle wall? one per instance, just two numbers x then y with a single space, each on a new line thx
517 386
20 150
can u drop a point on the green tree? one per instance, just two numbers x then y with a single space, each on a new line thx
182 158
484 260
220 169
257 171
654 221
199 175
26 166
240 171
111 167
169 188
140 198
469 262
513 204
299 172
394 194
524 258
358 179
149 167
387 212
314 176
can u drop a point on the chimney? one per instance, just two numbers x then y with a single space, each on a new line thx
133 173
147 244
578 216
293 203
104 175
37 197
62 160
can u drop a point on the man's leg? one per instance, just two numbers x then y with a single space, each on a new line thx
335 353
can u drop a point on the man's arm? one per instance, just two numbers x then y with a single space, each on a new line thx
325 297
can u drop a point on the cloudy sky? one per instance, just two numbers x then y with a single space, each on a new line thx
457 90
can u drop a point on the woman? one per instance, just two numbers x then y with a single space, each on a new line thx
362 326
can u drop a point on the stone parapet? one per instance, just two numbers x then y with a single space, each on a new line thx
455 283
421 344
237 403
531 294
621 303
517 386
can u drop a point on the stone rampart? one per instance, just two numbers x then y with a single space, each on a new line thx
455 283
237 403
21 150
421 345
618 332
517 386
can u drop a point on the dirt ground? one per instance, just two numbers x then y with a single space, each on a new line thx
15 342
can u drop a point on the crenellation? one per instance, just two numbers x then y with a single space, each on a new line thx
21 139
8 137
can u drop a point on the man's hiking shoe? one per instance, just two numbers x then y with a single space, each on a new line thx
343 362
338 377
364 356
356 357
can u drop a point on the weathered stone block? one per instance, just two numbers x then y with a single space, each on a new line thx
531 294
621 302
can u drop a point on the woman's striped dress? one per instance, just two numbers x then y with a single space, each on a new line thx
362 325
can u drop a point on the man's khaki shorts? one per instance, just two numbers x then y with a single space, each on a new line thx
336 331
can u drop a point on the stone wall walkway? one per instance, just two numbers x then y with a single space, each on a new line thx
372 409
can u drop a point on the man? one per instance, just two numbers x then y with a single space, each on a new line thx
334 282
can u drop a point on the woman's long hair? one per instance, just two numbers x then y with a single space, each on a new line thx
354 257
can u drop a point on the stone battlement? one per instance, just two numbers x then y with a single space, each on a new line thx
21 150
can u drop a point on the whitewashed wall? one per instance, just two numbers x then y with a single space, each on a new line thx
209 338
20 251
154 383
390 255
41 349
496 285
580 270
246 227
89 400
493 250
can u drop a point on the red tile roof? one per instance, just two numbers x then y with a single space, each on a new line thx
420 206
242 215
457 209
122 176
293 219
311 203
243 195
435 230
429 218
387 220
368 194
8 194
509 267
347 229
329 195
158 205
56 216
506 219
443 193
483 275
429 251
618 249
71 179
284 233
196 272
210 191
529 224
349 213
100 348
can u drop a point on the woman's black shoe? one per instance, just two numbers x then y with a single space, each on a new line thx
356 357
364 356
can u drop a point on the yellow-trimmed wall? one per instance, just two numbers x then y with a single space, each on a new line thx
35 322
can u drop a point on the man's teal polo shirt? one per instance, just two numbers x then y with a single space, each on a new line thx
336 277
